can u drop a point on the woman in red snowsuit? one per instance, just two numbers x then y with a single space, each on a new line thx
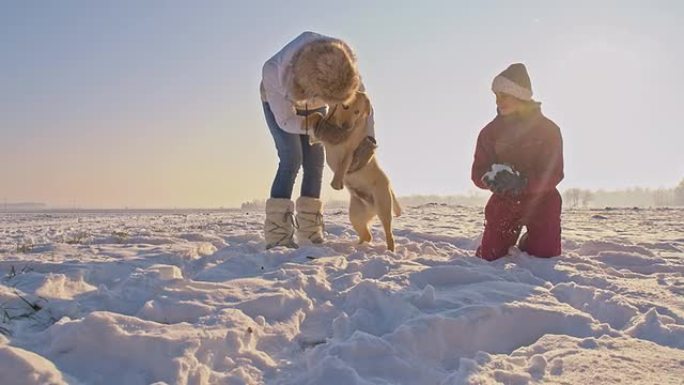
525 142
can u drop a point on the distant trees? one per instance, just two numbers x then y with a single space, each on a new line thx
637 196
4 206
678 196
585 197
254 205
473 198
663 197
574 197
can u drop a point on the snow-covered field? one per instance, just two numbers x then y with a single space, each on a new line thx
192 298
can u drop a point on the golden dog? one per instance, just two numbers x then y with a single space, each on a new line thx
369 187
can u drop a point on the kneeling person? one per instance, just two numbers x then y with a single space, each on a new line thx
519 157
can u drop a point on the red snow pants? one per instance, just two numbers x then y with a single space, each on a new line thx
505 217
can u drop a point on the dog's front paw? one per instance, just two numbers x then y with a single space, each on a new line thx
337 184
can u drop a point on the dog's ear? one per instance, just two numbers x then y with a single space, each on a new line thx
362 103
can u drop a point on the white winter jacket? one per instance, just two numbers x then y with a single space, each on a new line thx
276 84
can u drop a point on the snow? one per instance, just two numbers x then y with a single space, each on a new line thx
192 297
497 168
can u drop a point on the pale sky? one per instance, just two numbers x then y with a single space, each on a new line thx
156 103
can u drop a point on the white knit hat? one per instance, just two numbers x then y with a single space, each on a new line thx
325 69
514 81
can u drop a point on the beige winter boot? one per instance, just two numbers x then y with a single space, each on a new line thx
309 220
279 227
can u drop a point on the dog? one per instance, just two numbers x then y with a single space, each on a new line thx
369 187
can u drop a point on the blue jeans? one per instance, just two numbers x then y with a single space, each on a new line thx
294 151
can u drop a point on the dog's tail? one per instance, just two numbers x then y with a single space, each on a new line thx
395 204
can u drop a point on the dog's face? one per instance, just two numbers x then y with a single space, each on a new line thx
350 114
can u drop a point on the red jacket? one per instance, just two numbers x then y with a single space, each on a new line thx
526 141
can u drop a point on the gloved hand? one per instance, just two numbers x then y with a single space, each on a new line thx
312 121
506 182
363 154
327 132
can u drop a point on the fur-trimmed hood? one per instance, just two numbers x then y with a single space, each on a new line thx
325 69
